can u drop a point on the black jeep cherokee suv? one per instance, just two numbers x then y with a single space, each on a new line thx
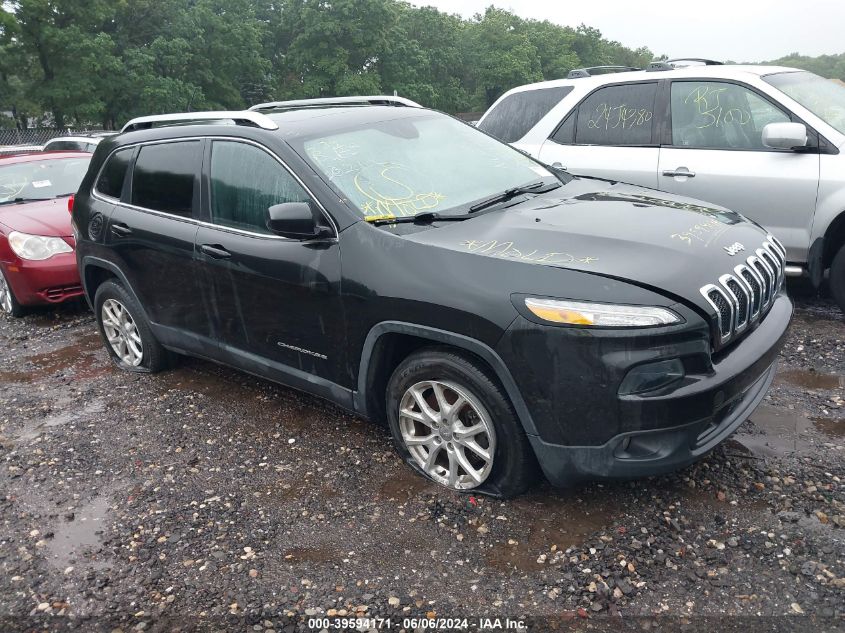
407 266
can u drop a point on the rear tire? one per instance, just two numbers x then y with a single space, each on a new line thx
454 424
126 331
8 303
837 278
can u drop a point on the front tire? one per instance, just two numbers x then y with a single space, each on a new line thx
837 278
8 303
126 331
453 423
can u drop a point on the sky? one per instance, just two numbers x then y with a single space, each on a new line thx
736 30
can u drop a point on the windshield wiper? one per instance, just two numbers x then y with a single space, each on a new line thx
508 194
25 200
419 218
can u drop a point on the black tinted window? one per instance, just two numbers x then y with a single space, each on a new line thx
66 146
164 176
110 182
565 134
516 114
245 182
617 115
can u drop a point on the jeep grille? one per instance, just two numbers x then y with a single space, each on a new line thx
745 295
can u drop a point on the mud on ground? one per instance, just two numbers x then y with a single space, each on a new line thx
203 496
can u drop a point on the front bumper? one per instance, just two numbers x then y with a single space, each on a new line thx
586 430
41 282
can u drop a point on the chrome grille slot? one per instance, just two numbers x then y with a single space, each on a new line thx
741 300
754 285
742 297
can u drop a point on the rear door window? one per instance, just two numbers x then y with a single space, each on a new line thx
165 177
617 115
245 182
516 114
110 182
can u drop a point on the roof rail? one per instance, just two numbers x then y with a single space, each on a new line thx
700 60
588 72
239 117
330 101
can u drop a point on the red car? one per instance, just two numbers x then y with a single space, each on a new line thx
37 262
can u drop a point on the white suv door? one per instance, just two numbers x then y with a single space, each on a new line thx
611 134
716 154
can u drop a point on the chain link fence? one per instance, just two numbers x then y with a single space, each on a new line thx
36 135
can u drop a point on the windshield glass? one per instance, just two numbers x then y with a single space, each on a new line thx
42 178
823 97
412 165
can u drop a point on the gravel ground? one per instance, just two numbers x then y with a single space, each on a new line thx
203 498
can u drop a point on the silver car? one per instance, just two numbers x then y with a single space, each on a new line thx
762 140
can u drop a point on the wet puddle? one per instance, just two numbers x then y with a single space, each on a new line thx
810 379
405 484
310 555
78 356
833 428
33 429
553 518
778 432
77 542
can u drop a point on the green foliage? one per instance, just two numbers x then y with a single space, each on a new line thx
829 66
100 62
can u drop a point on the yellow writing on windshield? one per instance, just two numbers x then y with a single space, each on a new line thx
610 117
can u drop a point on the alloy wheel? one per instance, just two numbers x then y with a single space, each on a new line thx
448 433
5 295
122 333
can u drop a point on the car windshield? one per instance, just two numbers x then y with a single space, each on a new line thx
421 164
823 97
39 179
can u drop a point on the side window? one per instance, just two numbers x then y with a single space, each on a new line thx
617 115
516 114
245 182
165 176
718 115
565 134
110 182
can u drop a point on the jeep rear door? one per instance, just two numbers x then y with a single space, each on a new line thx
275 301
151 231
610 134
713 151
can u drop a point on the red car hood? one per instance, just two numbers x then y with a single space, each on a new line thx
50 217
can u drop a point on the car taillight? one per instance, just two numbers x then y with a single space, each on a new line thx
70 205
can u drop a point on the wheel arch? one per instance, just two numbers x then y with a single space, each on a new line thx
390 342
834 239
95 271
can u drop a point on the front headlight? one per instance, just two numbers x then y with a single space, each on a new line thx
600 314
37 247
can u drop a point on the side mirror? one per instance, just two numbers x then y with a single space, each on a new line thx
785 135
296 220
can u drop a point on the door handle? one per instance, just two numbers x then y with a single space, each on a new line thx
120 230
680 171
216 251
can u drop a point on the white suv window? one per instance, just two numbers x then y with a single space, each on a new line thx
720 115
517 113
617 115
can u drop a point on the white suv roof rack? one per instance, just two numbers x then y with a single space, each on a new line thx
330 101
239 117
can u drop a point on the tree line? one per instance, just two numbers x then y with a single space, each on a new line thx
101 62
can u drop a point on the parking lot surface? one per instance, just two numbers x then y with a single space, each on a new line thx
206 496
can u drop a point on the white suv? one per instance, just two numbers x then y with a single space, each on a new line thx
762 140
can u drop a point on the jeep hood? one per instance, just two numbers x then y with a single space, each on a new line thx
668 243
